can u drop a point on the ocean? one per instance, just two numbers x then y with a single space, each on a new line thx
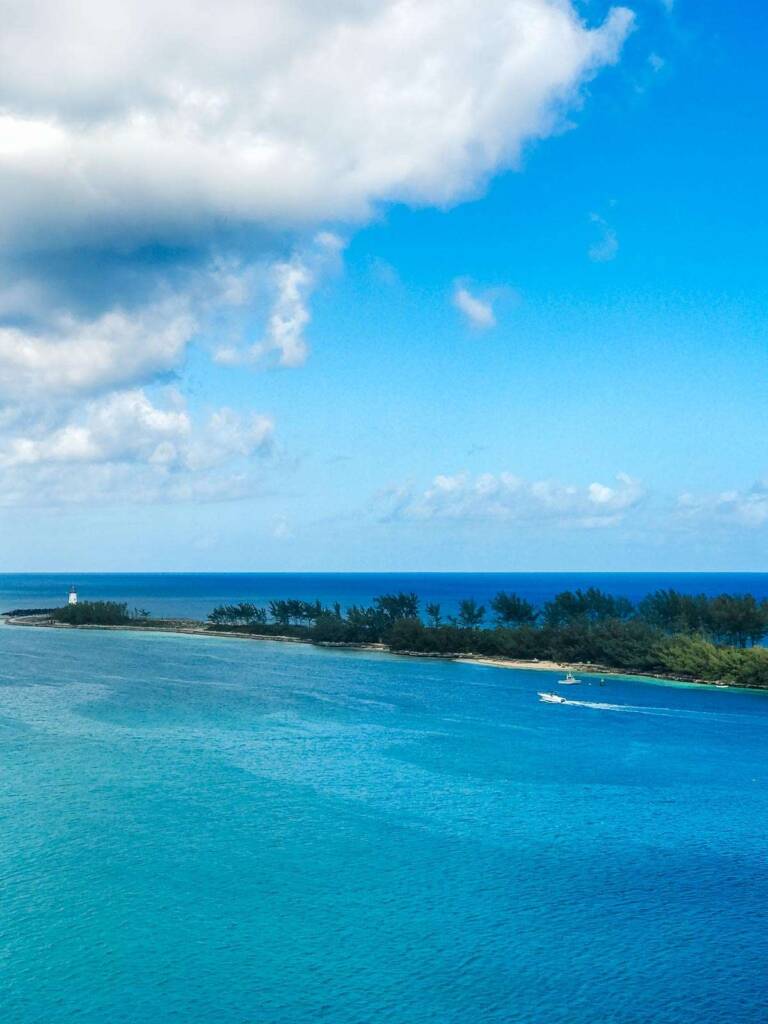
193 595
203 829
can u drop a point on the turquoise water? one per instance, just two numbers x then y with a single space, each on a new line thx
211 830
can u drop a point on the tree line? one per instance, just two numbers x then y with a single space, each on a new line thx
99 613
686 635
690 635
738 620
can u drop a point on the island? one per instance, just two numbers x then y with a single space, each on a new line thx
667 635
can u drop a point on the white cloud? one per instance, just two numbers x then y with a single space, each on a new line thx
125 446
606 247
506 497
165 169
478 311
292 282
71 357
159 121
124 427
739 508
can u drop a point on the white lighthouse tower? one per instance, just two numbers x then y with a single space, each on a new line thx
72 595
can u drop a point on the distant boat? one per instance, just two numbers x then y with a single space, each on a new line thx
570 680
552 698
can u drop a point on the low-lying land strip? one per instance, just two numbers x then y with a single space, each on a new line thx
668 635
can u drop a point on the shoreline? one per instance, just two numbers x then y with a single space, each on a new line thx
192 627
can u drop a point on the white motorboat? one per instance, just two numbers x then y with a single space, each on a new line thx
570 680
552 698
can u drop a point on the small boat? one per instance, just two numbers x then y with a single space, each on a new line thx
570 680
552 698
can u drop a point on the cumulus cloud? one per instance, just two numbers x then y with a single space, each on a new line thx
171 175
478 311
154 121
70 357
505 497
127 446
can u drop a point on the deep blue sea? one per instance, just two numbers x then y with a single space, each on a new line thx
195 594
222 831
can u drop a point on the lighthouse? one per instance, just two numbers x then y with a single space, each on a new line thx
72 595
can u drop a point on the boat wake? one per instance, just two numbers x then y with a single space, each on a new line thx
640 710
600 706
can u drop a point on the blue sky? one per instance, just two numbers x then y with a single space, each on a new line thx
558 364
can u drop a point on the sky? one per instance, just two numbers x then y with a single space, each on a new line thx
383 285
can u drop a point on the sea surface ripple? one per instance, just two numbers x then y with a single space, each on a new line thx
211 830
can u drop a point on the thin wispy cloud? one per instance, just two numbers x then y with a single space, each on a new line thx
623 502
477 311
606 246
293 282
506 497
746 508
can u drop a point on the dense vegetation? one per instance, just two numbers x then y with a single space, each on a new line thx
98 613
691 636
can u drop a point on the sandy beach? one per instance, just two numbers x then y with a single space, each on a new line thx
536 665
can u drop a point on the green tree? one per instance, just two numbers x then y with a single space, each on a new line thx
392 607
753 669
280 612
736 619
511 610
331 629
93 613
365 623
434 615
407 635
218 616
674 612
471 615
694 656
592 605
